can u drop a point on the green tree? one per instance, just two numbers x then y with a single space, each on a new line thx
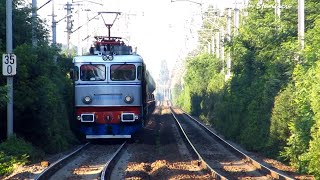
282 113
42 90
302 149
273 94
42 117
200 69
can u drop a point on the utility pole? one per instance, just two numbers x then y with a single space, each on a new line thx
212 45
54 26
54 31
217 44
229 24
79 40
301 23
34 16
228 39
236 18
277 8
79 45
209 47
222 45
69 25
9 78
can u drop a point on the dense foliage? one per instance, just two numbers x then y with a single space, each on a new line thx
3 96
272 99
16 151
203 77
42 116
42 90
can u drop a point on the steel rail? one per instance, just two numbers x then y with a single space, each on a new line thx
191 148
107 170
49 171
263 168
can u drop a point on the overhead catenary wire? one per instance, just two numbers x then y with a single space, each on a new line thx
44 4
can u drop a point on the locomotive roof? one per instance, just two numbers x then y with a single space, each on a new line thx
134 58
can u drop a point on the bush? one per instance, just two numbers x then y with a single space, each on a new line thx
16 151
283 112
42 117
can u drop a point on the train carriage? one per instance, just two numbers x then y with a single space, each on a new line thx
113 90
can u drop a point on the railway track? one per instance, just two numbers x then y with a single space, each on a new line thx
156 154
223 160
90 161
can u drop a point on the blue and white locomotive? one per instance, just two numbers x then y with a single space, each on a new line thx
113 90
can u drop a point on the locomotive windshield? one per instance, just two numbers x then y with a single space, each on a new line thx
93 72
123 72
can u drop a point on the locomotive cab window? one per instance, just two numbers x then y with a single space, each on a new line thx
74 73
139 72
123 72
92 72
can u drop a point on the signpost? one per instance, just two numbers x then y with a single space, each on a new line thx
9 67
9 64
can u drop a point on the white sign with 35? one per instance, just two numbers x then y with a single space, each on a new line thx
9 64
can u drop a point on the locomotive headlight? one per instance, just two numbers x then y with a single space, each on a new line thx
128 99
87 100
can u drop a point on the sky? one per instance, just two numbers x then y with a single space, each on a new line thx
160 29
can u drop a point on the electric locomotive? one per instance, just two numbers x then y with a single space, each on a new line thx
113 90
